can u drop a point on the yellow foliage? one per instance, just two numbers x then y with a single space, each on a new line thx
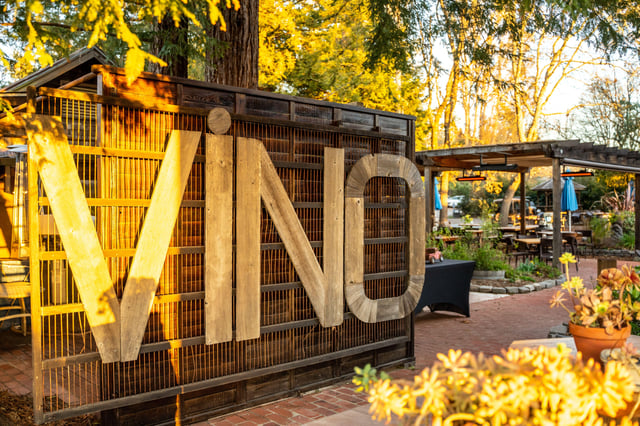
521 387
319 49
102 19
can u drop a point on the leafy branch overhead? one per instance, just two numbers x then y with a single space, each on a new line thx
42 30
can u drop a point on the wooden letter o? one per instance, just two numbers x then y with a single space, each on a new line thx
370 310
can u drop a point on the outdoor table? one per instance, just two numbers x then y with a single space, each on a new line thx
446 286
447 239
513 228
533 241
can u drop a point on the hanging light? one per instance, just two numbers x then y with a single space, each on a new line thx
470 178
495 167
576 173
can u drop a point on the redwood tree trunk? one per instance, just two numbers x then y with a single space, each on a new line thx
233 59
170 43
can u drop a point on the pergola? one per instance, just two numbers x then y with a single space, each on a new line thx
519 158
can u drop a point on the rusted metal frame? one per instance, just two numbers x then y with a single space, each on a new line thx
382 275
125 202
180 343
385 240
125 153
159 299
403 204
60 255
218 381
280 246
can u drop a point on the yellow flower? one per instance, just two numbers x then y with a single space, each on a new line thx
574 283
557 299
567 258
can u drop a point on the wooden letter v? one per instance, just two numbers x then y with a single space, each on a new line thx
118 330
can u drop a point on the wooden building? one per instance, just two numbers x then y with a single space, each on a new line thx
137 165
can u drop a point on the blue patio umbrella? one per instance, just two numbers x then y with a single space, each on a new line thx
436 194
568 202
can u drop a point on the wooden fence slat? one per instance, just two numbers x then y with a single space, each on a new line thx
218 264
49 149
284 217
248 183
333 234
154 239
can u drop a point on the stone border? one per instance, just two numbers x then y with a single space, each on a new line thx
527 288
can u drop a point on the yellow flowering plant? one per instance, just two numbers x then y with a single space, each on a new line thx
543 386
610 305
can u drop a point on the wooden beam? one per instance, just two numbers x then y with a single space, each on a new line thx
218 255
154 239
637 209
523 205
333 234
49 150
557 221
248 188
284 217
429 200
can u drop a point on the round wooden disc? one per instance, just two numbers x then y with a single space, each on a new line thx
219 121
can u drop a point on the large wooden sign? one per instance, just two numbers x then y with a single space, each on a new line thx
118 327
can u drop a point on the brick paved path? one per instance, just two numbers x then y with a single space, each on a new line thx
493 325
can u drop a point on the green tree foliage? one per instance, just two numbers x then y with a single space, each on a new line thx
319 49
611 114
39 31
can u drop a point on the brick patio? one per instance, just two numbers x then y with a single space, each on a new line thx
493 325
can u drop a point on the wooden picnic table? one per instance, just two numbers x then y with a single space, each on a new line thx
513 228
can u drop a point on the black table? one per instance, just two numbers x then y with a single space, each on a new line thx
446 286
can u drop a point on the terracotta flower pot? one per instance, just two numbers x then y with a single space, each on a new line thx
592 341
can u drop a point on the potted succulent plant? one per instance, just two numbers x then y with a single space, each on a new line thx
601 316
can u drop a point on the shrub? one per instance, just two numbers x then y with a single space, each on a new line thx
460 250
488 258
599 230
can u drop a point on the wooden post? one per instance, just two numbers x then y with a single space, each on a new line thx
218 239
523 205
428 196
248 185
636 204
557 222
606 263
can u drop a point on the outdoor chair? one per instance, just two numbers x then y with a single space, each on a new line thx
545 248
17 292
512 251
571 244
585 242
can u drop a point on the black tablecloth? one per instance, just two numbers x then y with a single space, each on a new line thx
446 286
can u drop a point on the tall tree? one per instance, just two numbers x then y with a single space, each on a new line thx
609 112
39 31
233 59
